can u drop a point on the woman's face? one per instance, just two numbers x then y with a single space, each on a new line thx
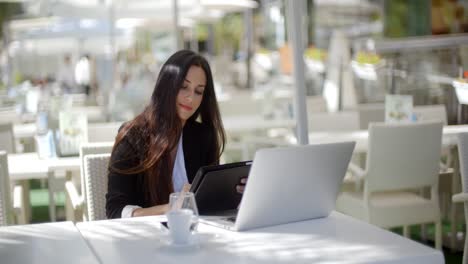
190 95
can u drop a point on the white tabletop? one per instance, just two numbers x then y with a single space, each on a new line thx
27 130
57 242
23 166
361 137
336 239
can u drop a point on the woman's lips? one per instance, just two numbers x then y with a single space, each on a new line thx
186 107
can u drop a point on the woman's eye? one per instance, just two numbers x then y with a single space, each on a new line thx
199 93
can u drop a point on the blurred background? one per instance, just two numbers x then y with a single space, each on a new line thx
100 59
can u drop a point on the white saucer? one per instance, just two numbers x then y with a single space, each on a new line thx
193 243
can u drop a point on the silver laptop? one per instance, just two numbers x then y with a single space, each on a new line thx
290 184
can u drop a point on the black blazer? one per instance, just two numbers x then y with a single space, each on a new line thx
124 189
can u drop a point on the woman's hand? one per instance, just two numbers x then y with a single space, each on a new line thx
157 209
241 186
186 187
153 210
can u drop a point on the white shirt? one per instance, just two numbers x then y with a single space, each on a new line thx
65 75
82 72
179 178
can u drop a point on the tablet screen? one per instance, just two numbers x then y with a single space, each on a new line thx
215 186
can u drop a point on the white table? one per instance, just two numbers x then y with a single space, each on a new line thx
27 130
336 239
26 166
361 137
57 242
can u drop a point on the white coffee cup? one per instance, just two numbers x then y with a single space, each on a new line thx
179 222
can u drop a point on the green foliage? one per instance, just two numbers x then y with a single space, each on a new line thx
407 18
7 11
229 31
201 32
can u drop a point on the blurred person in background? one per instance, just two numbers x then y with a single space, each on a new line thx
66 76
83 74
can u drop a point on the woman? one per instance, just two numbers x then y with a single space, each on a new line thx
161 149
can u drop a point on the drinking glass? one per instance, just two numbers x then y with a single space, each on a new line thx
185 201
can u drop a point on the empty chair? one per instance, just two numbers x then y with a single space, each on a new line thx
463 197
78 199
7 139
11 210
447 185
401 158
96 169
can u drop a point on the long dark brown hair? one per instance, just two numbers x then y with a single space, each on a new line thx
159 126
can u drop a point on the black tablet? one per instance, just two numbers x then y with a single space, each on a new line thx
215 187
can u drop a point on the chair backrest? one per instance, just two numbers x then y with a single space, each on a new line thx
103 132
96 170
88 149
337 121
431 113
403 156
7 139
5 195
463 158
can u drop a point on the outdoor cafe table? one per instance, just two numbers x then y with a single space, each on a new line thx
58 242
335 239
26 166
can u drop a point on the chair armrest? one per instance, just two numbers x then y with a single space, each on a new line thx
19 206
75 198
444 169
17 198
460 197
358 175
356 171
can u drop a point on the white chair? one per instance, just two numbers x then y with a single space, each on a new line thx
96 170
7 139
401 158
463 196
77 200
448 182
11 211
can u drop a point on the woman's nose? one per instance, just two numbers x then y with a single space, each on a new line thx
189 95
